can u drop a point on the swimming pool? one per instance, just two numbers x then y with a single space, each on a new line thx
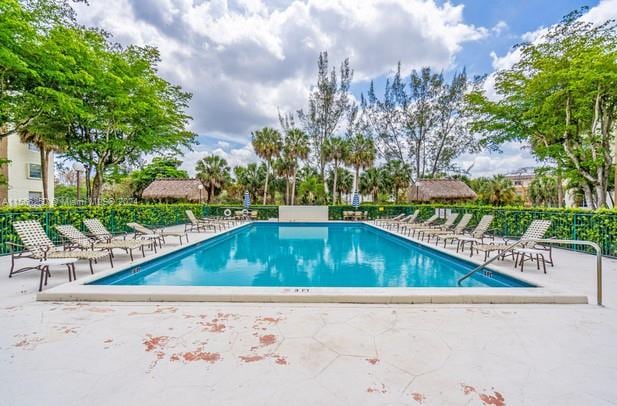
307 255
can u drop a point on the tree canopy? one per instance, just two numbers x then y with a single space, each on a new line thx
561 97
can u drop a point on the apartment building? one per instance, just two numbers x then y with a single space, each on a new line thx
23 173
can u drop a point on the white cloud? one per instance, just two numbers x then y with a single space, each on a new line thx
515 156
605 10
243 59
499 28
234 156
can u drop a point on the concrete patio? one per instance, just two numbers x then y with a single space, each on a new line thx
106 353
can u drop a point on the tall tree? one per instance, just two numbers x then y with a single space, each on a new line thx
267 144
361 155
561 98
335 150
213 171
421 121
328 104
296 147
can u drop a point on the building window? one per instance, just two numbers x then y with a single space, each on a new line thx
35 197
32 147
35 171
518 182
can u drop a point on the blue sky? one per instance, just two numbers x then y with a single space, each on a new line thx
244 60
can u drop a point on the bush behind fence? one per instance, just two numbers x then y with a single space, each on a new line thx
598 226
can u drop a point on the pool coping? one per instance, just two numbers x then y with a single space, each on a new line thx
80 290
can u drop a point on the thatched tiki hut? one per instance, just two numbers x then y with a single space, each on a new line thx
174 190
440 191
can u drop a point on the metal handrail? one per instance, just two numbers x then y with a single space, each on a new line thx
592 244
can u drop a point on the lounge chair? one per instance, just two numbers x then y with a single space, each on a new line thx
458 229
446 226
75 239
37 245
99 232
536 230
384 220
254 215
198 225
159 234
410 228
408 219
476 236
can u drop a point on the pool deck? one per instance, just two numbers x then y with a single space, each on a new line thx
75 353
548 291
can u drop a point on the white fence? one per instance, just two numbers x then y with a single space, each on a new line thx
303 213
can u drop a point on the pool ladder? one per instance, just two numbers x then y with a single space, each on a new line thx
592 244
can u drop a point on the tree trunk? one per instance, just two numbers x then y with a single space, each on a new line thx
97 185
601 196
210 193
44 153
286 189
559 190
266 186
293 185
334 189
323 177
588 195
87 179
355 181
615 184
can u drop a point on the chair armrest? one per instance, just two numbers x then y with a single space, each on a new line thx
13 245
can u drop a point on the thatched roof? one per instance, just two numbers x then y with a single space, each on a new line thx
430 190
174 189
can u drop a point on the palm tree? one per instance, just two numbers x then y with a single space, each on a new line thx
361 155
399 175
296 147
285 167
371 181
344 182
267 145
251 178
336 150
213 172
499 191
543 190
46 144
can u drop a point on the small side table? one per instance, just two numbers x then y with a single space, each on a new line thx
44 265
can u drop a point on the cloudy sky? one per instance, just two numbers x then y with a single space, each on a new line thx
244 59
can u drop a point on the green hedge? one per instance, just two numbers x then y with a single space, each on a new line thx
114 217
599 226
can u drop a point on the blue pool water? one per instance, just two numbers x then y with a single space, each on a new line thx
307 255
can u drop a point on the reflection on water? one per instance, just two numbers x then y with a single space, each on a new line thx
333 255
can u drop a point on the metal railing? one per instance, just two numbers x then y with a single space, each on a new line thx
592 244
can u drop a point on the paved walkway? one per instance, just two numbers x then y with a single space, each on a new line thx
271 354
